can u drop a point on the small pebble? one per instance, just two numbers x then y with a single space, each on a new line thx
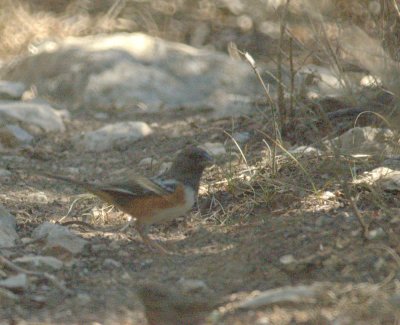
110 263
83 298
376 234
164 167
146 263
327 195
125 276
379 264
147 162
214 148
324 220
4 173
122 253
17 282
287 259
101 116
241 137
190 285
96 248
38 197
114 245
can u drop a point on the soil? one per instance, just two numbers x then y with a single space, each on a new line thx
233 240
252 229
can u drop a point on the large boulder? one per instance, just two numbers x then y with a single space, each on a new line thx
112 136
122 71
365 140
8 225
30 114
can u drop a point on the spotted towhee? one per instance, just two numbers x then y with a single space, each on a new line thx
157 199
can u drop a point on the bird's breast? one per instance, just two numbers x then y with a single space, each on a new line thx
158 209
185 198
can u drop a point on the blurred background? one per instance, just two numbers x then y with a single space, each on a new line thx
306 185
253 25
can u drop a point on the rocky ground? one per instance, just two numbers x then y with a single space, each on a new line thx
251 230
307 235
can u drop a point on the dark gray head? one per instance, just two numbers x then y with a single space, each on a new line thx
189 165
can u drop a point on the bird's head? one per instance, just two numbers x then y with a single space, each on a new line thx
194 157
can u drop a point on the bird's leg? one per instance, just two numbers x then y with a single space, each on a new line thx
127 224
142 230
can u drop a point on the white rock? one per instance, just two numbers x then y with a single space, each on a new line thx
114 245
126 277
365 140
19 133
40 261
26 240
110 263
374 234
392 161
11 90
59 237
287 259
16 282
327 195
305 150
319 81
241 137
13 159
386 178
391 181
113 135
40 115
97 248
225 104
8 225
39 197
84 299
5 173
164 167
214 148
101 116
147 162
270 28
370 81
301 293
7 296
72 170
146 263
325 75
128 71
64 114
191 285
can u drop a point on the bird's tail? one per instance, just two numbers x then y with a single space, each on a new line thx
88 186
99 190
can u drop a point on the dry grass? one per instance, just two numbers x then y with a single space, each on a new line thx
21 26
269 206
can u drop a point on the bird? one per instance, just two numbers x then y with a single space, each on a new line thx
165 305
158 199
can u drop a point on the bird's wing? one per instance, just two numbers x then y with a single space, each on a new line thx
142 186
135 186
122 193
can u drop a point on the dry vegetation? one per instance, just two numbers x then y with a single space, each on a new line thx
258 206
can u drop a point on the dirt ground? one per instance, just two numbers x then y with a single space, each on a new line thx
251 229
233 240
